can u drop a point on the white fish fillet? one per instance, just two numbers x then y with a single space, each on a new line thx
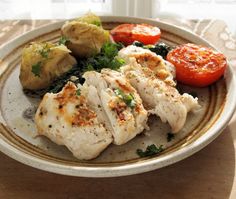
159 96
72 120
126 122
163 69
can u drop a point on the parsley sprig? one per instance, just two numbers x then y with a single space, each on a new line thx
105 59
150 150
63 40
44 52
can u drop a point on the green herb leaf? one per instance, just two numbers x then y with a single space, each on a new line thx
116 63
170 136
36 69
45 51
63 40
151 150
97 23
78 92
110 50
127 98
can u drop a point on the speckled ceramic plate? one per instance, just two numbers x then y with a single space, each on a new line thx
18 134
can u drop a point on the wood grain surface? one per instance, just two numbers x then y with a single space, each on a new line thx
207 174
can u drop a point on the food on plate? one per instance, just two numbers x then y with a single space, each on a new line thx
159 95
121 103
107 94
197 65
85 35
86 119
42 63
73 118
128 33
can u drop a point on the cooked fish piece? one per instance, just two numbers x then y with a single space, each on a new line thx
121 102
163 69
69 118
159 97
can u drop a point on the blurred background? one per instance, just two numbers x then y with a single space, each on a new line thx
177 9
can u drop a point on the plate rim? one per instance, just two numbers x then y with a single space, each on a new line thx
131 168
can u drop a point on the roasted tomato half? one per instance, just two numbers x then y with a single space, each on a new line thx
197 65
128 33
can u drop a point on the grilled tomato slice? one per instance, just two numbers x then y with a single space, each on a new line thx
128 33
197 65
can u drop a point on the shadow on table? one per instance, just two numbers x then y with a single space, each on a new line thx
207 174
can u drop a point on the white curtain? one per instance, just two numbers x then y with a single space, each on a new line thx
137 8
64 9
52 9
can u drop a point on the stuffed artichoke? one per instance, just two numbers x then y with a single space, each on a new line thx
42 63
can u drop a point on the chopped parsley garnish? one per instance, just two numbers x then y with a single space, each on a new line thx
45 51
97 23
78 92
63 40
127 98
170 136
110 50
150 150
36 69
116 63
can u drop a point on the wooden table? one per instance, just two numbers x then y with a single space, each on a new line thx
208 174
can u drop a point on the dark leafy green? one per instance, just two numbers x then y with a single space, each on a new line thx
150 150
159 48
170 136
138 44
105 59
59 83
63 40
193 93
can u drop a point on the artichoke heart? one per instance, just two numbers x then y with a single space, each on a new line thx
86 35
42 63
